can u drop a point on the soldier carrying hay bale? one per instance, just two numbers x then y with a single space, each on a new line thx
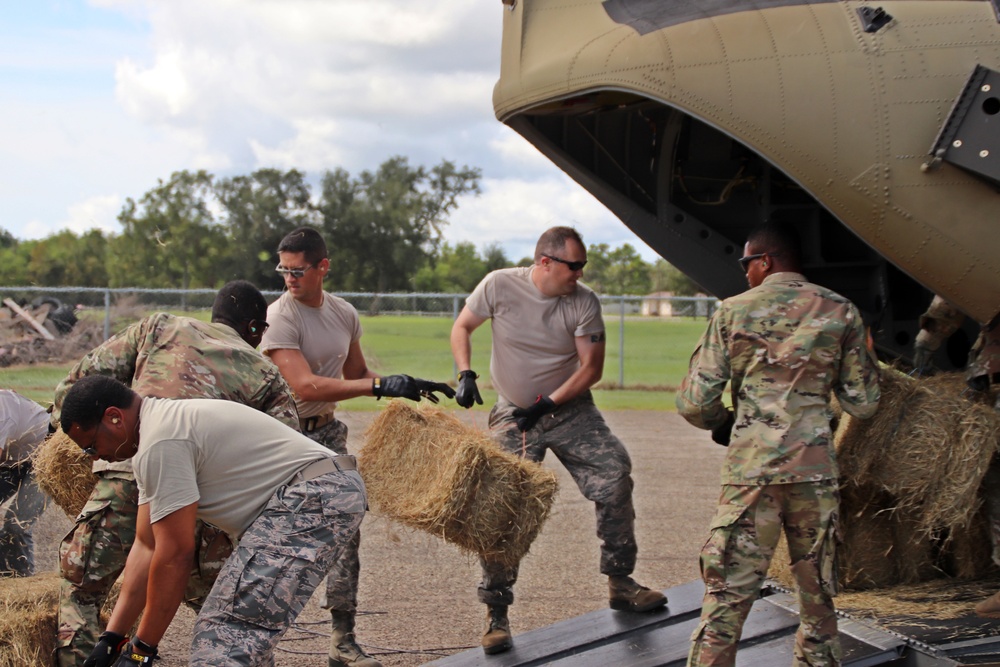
548 351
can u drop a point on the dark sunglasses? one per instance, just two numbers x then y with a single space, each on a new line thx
745 261
256 327
573 266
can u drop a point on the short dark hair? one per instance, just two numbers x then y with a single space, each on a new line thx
89 397
307 241
239 301
778 238
553 239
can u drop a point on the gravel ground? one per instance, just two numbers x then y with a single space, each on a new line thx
418 593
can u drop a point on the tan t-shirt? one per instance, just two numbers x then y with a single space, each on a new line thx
227 457
534 336
323 335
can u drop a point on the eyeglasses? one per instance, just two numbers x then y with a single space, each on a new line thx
256 327
745 261
573 266
294 273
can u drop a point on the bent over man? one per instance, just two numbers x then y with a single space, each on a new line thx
165 357
290 504
548 351
783 345
315 339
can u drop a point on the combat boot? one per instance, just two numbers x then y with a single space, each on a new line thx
627 595
344 650
990 607
497 638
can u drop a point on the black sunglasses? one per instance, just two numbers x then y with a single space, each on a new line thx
745 261
573 266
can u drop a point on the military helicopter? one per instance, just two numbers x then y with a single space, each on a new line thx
874 127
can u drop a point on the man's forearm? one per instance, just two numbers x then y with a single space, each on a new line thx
132 598
168 575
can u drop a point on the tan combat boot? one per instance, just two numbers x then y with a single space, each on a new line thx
497 638
627 595
990 607
344 650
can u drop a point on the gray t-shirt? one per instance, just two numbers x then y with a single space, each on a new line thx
323 335
534 335
227 457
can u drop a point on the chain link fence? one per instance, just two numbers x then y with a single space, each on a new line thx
636 325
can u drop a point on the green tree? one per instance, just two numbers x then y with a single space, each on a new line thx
258 210
618 271
457 269
169 238
384 226
666 277
67 259
494 257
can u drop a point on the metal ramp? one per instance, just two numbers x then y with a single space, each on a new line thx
607 638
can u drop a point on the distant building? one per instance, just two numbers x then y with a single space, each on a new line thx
658 304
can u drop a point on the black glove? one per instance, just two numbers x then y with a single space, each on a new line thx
132 658
527 417
404 386
109 645
724 431
467 392
427 389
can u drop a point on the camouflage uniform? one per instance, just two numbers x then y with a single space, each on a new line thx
279 562
783 346
163 356
342 582
578 436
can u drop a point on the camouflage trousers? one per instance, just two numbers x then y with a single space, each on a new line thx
93 555
599 464
278 563
26 504
736 557
342 582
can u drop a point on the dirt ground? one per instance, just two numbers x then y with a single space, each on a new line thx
418 593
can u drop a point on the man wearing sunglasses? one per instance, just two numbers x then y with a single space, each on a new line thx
548 351
784 346
162 356
315 339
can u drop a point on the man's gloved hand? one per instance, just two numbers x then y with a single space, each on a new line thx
467 392
427 389
109 645
404 386
130 657
527 417
723 432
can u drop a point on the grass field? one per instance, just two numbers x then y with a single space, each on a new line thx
655 360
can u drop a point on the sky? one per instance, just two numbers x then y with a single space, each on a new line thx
99 99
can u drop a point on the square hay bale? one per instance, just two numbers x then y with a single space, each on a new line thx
428 470
28 620
63 471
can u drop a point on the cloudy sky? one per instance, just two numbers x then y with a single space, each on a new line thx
100 98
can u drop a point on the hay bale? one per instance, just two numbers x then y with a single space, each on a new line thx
928 446
63 471
28 620
428 470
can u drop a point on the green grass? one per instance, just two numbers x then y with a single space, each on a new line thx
656 358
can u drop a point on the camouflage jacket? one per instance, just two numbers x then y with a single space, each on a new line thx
784 346
166 356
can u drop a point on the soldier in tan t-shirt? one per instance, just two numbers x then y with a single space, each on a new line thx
548 351
314 338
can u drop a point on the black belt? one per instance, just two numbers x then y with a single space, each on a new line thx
310 424
323 466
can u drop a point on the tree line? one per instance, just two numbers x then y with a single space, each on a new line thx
384 231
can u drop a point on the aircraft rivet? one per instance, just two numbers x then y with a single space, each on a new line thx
984 153
985 88
957 143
